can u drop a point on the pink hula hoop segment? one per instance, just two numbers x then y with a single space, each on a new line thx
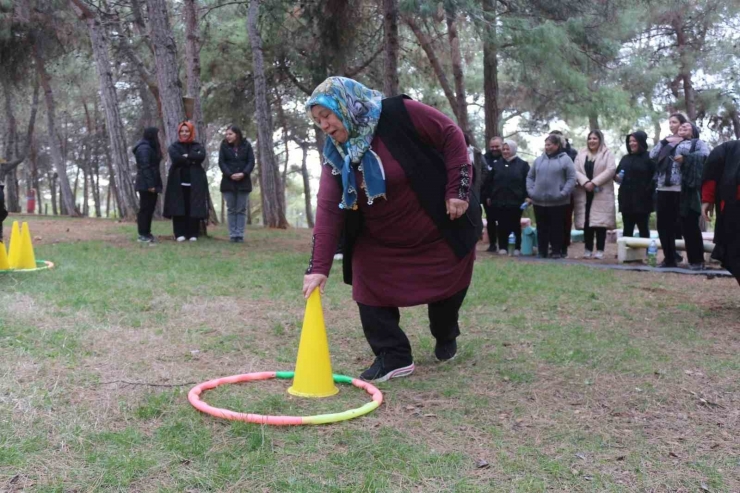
195 392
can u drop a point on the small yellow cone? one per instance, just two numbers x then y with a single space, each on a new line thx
4 264
15 246
313 377
26 258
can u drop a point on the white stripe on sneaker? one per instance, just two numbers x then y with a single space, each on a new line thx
397 373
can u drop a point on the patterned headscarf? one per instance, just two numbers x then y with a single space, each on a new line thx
358 108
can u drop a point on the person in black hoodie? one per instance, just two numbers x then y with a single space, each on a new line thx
636 178
148 180
236 160
186 199
506 193
489 159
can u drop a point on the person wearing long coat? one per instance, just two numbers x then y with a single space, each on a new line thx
397 180
595 211
186 198
148 181
636 178
506 191
3 210
721 194
236 160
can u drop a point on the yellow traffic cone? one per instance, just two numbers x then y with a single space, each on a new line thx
4 264
15 246
26 258
313 377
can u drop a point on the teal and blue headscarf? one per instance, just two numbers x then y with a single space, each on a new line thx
358 108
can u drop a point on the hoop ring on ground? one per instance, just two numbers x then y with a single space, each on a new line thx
319 419
40 265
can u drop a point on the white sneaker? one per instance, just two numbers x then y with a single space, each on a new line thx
587 254
180 239
338 256
599 255
193 239
517 253
502 252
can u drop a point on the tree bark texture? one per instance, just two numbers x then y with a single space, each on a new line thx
65 191
457 72
685 64
113 122
168 80
307 186
491 111
273 205
390 47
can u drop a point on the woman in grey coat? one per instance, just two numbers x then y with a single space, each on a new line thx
550 182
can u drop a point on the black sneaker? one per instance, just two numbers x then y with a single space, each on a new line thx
667 265
492 249
152 239
233 239
696 267
445 351
144 239
240 239
378 372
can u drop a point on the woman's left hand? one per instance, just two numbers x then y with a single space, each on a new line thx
589 187
678 159
456 208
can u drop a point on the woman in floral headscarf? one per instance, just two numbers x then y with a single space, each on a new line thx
396 180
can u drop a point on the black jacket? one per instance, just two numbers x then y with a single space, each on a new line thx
186 168
638 185
239 161
147 167
506 183
427 176
488 163
3 210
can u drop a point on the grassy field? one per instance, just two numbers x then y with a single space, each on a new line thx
568 379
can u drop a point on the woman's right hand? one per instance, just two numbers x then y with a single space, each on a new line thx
313 281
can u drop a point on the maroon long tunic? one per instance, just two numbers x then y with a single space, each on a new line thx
400 257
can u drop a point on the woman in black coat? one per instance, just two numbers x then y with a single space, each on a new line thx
635 175
236 160
148 180
187 186
506 191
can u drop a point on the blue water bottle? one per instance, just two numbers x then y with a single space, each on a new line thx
524 205
652 253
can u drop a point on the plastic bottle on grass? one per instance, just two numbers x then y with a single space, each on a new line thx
512 243
652 254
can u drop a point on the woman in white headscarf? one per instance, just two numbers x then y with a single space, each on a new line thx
506 189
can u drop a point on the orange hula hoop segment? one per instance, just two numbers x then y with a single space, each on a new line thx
195 400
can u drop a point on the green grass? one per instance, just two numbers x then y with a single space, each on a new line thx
567 379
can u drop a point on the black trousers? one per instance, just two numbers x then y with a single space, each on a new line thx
568 225
186 226
588 236
491 226
509 221
550 229
384 334
147 204
642 221
3 211
669 219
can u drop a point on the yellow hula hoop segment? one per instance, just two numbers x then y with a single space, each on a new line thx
40 265
320 419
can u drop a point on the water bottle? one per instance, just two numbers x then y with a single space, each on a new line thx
620 176
652 253
597 189
512 243
524 205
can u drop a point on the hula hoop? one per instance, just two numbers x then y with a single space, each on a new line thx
40 265
320 419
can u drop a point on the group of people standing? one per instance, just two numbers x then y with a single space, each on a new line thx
568 187
186 196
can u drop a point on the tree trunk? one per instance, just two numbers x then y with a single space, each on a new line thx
273 204
426 45
35 176
56 154
53 187
85 190
685 65
593 121
12 200
491 110
457 71
113 185
307 186
390 47
113 122
168 80
96 189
